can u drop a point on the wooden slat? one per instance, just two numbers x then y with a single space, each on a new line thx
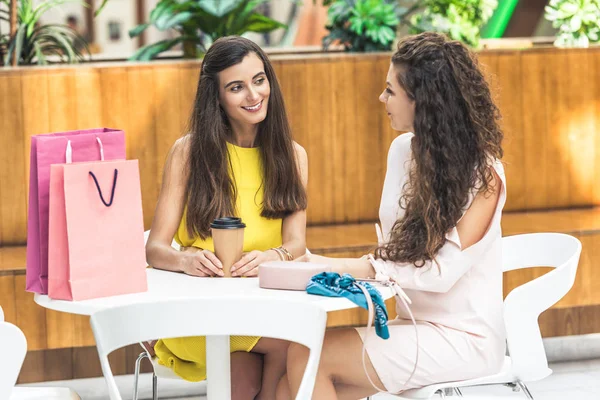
534 91
63 101
370 159
7 298
320 131
36 118
167 112
188 77
89 98
12 174
581 133
115 99
31 318
12 258
595 87
506 67
557 131
141 137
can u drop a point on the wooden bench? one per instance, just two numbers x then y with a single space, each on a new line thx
58 338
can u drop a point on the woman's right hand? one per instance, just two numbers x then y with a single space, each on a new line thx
199 262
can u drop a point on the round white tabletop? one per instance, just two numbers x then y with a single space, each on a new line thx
165 285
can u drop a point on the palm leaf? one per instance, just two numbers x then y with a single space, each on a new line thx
219 8
149 52
167 21
138 30
259 23
99 10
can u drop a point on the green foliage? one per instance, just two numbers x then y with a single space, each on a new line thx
33 42
459 19
200 22
363 25
578 21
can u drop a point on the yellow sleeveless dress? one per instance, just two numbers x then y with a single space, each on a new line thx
187 356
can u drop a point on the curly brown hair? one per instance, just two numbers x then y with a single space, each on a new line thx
457 138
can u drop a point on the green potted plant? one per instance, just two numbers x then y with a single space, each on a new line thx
363 25
459 19
578 21
33 42
199 22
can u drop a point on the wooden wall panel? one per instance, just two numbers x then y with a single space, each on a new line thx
594 82
7 298
550 123
167 112
581 137
368 135
320 133
141 137
31 318
557 131
534 92
12 172
63 99
506 68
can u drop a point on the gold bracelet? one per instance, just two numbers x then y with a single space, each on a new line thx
279 253
285 251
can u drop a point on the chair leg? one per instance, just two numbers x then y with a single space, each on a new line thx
154 387
136 376
525 390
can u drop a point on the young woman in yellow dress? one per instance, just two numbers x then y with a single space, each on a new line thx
237 159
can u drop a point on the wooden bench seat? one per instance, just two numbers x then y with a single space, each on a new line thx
339 239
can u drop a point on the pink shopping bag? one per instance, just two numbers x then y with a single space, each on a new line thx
96 230
50 149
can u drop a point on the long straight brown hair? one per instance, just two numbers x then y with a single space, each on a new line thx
211 192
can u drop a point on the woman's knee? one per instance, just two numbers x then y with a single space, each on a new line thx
246 375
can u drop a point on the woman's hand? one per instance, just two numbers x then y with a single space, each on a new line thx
357 267
199 262
248 264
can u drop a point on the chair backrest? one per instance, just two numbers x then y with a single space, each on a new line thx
13 347
293 321
524 304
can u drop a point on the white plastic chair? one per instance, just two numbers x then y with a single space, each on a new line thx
527 360
13 348
293 321
158 371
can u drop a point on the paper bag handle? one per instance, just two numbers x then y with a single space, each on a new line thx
112 193
69 151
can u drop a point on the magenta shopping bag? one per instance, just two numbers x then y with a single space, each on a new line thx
48 149
96 226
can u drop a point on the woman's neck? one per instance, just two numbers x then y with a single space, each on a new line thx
244 135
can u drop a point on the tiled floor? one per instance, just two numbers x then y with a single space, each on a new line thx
578 380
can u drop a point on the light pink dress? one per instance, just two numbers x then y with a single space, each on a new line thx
458 305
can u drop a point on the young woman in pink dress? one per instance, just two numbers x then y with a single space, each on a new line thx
441 238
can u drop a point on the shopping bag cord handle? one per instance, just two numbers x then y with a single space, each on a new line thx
112 193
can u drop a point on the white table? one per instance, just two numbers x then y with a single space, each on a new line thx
163 285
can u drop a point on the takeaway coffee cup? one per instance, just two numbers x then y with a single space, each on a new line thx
228 237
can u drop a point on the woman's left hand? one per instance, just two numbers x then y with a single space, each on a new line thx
248 264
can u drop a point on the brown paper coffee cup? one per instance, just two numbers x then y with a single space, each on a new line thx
228 238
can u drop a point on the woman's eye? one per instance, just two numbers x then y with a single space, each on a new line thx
260 81
388 91
236 88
